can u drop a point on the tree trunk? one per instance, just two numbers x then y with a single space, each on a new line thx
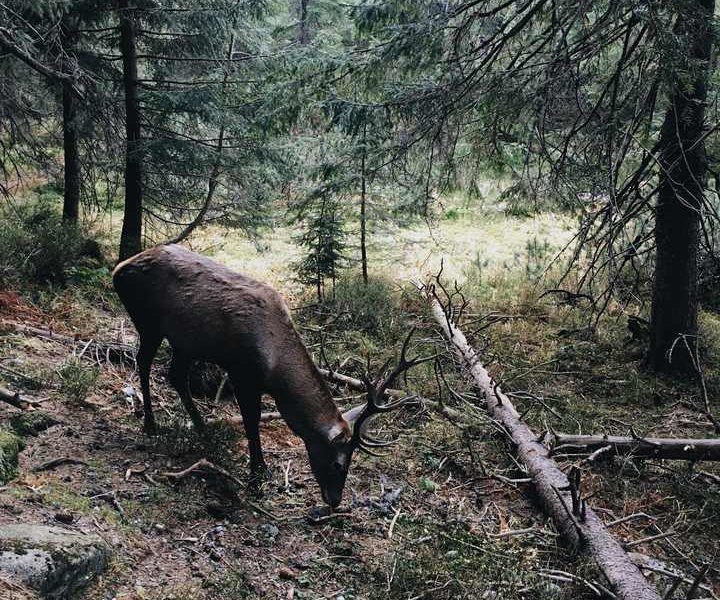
71 152
673 328
71 191
303 34
363 217
131 235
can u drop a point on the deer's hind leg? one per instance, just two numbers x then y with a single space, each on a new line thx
179 378
149 344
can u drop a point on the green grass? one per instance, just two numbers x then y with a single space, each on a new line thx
475 235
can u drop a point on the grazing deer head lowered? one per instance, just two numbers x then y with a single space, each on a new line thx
212 314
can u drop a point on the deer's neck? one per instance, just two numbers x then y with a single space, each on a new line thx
303 397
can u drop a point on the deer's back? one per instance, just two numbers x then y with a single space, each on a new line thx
203 308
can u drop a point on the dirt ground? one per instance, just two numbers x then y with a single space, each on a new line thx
445 515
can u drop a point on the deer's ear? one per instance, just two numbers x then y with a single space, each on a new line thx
340 432
351 416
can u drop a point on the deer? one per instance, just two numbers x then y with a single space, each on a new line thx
209 313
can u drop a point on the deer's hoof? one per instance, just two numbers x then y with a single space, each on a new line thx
259 476
318 514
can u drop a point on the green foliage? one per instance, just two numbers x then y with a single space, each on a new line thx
323 242
371 307
77 379
90 276
428 485
452 214
37 247
233 585
537 257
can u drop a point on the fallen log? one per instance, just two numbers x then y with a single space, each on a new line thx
640 447
12 398
559 495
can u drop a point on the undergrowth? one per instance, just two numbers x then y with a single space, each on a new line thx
77 378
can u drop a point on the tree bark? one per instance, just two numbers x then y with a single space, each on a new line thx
303 33
131 235
71 191
12 398
577 522
673 328
71 152
363 215
665 448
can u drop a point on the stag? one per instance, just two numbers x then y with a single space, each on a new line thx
212 314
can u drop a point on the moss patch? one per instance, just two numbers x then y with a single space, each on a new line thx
10 446
32 423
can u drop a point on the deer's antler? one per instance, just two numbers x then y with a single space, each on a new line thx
359 417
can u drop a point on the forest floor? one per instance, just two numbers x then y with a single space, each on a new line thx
440 517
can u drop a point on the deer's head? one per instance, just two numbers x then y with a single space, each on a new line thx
330 458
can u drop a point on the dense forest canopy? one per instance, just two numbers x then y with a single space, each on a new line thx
221 110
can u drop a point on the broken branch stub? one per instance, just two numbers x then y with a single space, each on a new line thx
560 498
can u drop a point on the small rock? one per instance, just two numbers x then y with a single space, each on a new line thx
160 527
267 534
269 530
287 573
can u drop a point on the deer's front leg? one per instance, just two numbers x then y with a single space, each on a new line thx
249 402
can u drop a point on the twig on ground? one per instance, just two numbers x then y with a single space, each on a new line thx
640 515
112 499
557 575
56 462
392 523
205 465
650 538
511 481
514 532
